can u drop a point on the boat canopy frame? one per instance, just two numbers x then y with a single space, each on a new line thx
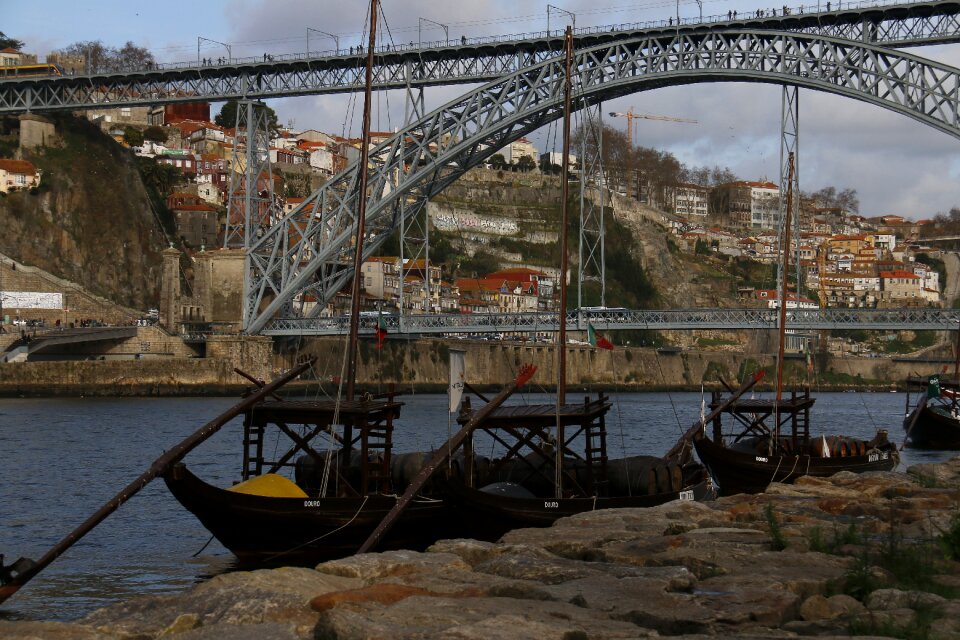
524 423
365 425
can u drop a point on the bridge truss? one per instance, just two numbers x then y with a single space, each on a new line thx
410 67
423 159
675 319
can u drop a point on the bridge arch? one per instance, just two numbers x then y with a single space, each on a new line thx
307 251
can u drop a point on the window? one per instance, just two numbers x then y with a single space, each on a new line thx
21 179
125 112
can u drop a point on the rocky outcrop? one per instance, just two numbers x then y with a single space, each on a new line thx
90 221
866 555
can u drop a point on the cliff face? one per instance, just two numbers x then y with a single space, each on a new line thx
90 221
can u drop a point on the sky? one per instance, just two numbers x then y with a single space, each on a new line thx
897 165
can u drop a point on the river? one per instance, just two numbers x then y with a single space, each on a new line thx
63 458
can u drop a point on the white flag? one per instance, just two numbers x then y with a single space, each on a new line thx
457 378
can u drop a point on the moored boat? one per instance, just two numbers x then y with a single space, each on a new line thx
339 493
748 459
934 422
524 489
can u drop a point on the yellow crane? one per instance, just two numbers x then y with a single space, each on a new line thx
630 115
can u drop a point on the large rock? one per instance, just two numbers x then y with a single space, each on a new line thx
472 618
239 598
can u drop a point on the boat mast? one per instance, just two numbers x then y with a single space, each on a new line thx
564 221
361 209
564 218
783 292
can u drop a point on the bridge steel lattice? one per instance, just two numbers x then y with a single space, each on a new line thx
674 319
423 159
443 63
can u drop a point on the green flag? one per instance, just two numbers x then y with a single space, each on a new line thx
933 386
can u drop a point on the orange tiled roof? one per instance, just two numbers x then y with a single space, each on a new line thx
193 207
17 166
899 274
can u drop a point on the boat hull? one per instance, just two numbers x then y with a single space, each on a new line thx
935 428
277 530
485 516
741 472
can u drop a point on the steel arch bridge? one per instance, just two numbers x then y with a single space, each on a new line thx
307 253
440 63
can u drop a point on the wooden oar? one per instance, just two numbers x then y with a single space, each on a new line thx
678 448
921 404
26 569
441 455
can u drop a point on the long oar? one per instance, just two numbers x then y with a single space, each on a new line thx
26 569
678 448
441 455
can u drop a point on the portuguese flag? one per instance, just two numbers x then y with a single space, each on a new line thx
598 341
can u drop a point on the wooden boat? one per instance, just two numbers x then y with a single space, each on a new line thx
270 518
271 530
934 422
746 460
523 489
749 459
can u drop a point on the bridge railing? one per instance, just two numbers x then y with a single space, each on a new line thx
352 52
628 319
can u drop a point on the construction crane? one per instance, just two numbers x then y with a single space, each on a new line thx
631 116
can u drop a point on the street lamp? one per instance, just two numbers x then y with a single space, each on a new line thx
420 21
223 44
573 16
336 38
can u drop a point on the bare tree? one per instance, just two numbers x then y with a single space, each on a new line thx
100 58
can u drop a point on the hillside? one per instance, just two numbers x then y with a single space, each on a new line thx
514 219
90 221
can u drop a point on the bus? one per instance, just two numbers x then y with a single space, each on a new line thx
30 71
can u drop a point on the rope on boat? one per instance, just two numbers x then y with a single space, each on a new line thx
779 462
205 545
318 538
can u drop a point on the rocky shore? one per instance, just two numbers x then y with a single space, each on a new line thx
871 556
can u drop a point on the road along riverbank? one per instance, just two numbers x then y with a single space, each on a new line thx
863 555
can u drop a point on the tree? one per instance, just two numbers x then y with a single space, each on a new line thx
498 162
155 134
10 43
526 164
829 197
99 58
133 137
162 178
228 117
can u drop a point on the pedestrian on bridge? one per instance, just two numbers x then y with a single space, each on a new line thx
463 39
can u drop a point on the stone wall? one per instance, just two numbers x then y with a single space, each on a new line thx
77 302
426 362
175 376
37 131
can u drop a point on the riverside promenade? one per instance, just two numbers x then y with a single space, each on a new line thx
873 555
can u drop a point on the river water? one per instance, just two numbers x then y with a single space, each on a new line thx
63 458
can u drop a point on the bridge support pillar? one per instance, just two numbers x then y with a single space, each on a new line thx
37 131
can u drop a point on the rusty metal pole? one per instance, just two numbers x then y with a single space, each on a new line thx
361 209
